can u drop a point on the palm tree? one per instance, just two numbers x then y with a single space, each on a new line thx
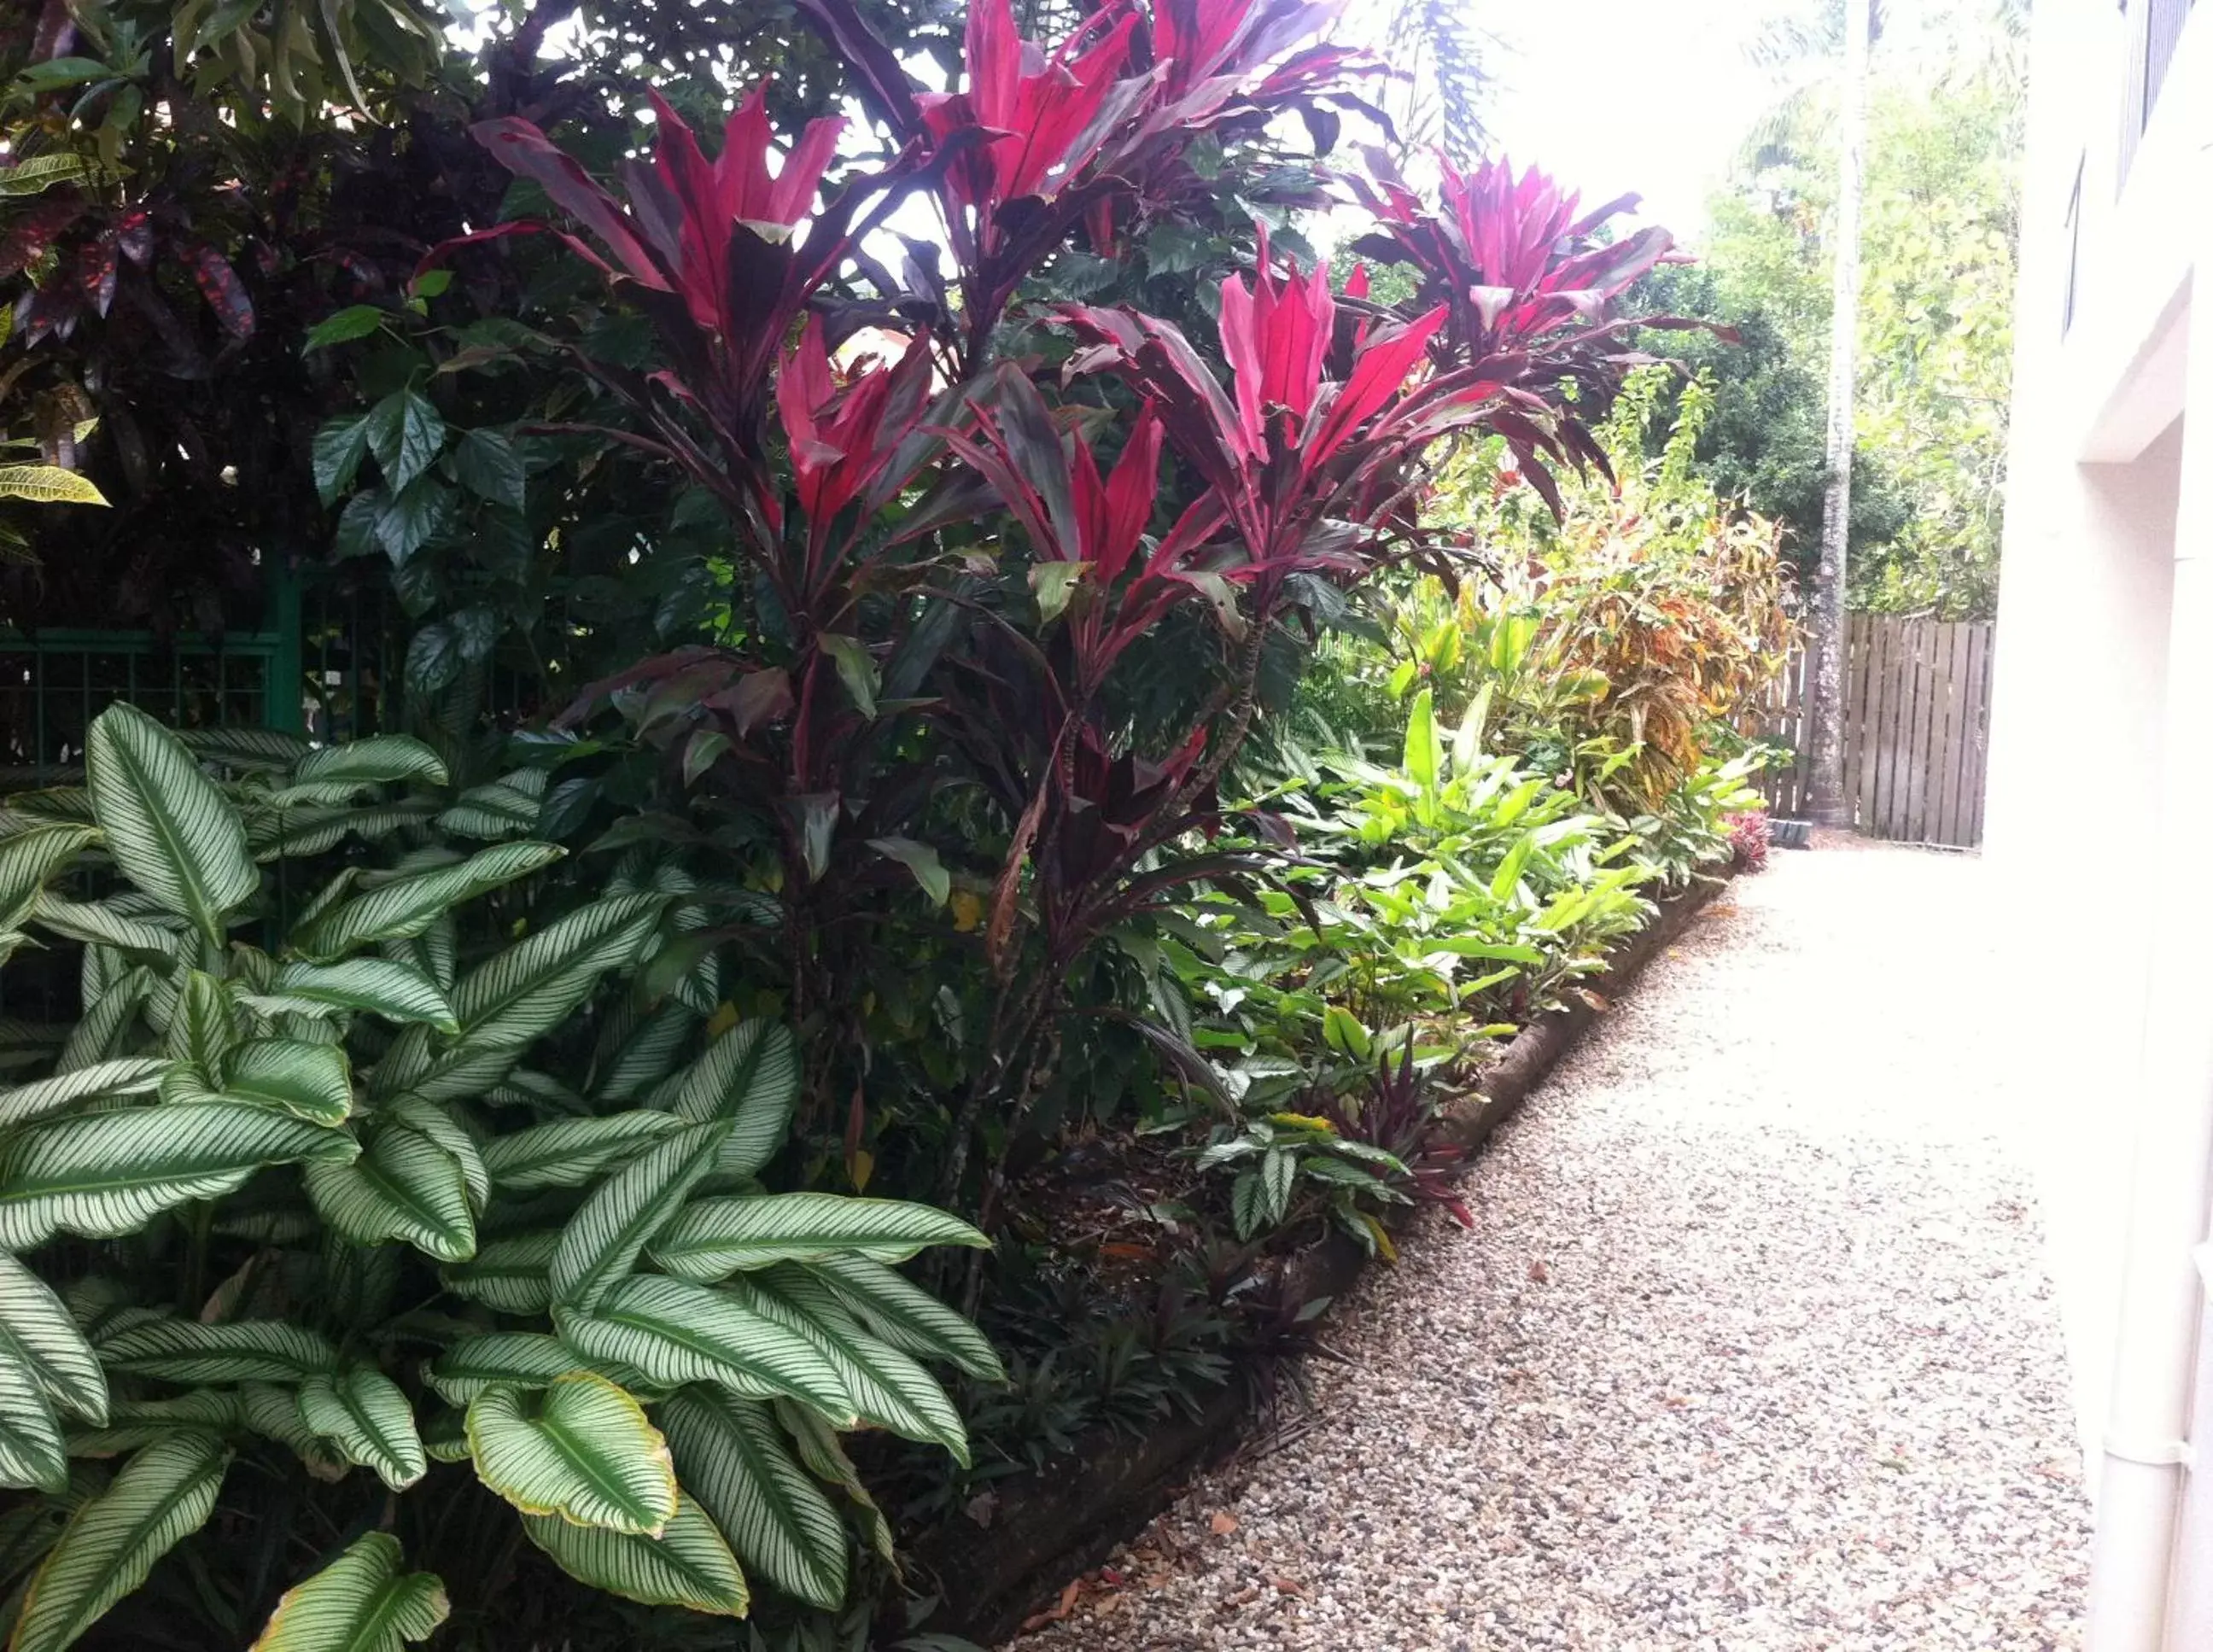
1827 802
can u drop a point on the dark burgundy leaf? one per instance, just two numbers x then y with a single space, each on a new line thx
225 294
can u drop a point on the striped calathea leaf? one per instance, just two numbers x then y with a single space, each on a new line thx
291 1101
366 1600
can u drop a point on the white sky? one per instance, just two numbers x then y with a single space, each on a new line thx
1614 95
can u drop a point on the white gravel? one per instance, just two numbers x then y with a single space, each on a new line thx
1751 1350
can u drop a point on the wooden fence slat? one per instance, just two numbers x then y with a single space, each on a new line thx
1978 685
1963 735
1916 715
1926 716
1879 639
1943 776
1897 702
1860 636
1938 749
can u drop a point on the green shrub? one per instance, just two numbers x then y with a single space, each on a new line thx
303 1207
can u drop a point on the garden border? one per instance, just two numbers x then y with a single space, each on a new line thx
1046 1528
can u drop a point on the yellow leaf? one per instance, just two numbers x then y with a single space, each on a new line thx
724 1018
967 910
863 1167
48 485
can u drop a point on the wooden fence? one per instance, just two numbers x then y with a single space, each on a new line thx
1916 728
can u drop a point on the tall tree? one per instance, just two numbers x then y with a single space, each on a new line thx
1827 802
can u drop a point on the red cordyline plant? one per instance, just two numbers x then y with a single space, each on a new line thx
956 587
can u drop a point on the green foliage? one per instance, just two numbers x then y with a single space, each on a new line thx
296 1190
1939 237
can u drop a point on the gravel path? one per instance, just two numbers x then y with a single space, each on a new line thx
1752 1349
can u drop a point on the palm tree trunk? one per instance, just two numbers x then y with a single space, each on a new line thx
1827 802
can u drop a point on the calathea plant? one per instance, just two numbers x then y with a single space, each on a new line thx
302 1190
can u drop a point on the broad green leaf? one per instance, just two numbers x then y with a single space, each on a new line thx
676 1333
245 1350
365 1413
750 1075
364 1601
164 1494
906 1316
569 1152
406 433
355 321
486 464
379 985
246 751
1420 753
411 906
492 811
688 1565
920 859
509 1275
1247 1203
340 444
29 858
402 1186
104 1174
819 1447
31 1452
132 1075
99 924
200 1034
377 759
717 1237
37 1334
171 833
440 1126
732 1458
135 1425
273 1412
649 1054
308 1081
888 1390
580 1448
512 1359
603 1241
526 992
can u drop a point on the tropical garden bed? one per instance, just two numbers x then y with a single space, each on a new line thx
941 821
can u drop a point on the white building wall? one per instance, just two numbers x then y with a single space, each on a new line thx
2100 801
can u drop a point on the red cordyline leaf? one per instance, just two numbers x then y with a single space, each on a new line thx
1276 337
1038 113
1512 254
843 436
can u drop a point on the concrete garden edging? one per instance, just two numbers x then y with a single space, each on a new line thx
1047 1528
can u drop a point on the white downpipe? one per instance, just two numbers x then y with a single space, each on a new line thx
2147 1449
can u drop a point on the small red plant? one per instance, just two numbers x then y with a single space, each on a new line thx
1748 840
